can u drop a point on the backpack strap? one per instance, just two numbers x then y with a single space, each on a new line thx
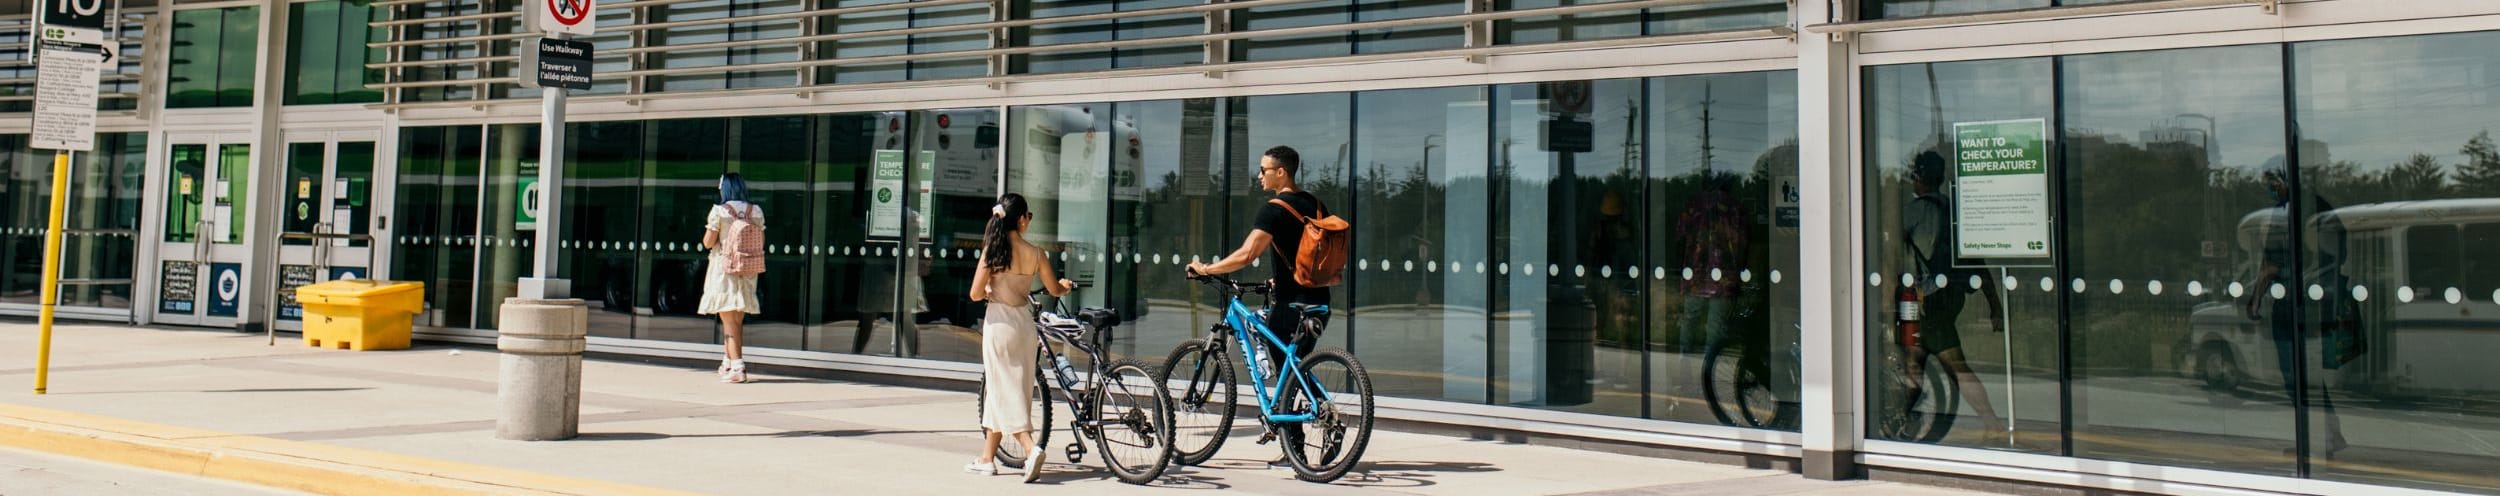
1297 214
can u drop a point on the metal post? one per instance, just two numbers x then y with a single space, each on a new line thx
51 268
546 284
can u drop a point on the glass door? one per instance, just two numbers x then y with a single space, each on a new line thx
326 231
201 257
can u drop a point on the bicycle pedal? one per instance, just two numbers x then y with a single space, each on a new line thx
1267 437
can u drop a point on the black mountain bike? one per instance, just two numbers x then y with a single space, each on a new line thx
1123 408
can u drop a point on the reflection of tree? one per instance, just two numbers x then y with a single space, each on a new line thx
2480 175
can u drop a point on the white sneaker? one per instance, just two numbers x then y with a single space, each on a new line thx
737 372
1033 465
984 469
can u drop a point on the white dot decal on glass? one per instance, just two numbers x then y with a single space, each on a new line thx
2196 288
2237 290
2078 284
1977 282
1745 275
1503 268
2455 296
1716 275
1362 265
2360 293
2317 292
1659 273
1943 282
1553 269
1527 269
2048 285
1432 266
1254 262
1906 278
2277 290
1874 279
1080 257
1579 271
2012 283
1775 276
1158 258
1193 259
1688 273
2117 287
1409 266
1479 267
2404 294
1176 259
2495 296
1606 272
2153 287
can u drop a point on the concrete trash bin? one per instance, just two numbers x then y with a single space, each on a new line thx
359 314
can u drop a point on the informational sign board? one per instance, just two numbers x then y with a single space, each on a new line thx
573 17
885 211
226 289
2001 189
525 201
291 277
556 63
179 290
68 57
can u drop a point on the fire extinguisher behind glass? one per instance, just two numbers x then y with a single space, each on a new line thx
1906 308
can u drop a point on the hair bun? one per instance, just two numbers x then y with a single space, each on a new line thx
999 211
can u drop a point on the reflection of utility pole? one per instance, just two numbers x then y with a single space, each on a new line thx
1709 161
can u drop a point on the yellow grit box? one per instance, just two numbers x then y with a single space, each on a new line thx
359 314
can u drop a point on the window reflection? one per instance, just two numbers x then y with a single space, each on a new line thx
1422 186
1975 364
2396 151
2163 177
1722 160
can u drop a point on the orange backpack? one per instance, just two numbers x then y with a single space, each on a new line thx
1326 243
742 245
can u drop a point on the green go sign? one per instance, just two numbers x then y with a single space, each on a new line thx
2001 189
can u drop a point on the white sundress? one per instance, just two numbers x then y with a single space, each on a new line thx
723 292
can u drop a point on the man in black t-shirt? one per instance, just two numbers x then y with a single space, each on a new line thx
1278 233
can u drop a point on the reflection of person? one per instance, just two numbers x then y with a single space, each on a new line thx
1278 233
1928 232
732 297
2280 315
1713 232
882 291
1009 267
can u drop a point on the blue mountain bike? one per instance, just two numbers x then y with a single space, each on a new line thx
1320 406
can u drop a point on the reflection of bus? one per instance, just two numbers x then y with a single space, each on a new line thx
2409 258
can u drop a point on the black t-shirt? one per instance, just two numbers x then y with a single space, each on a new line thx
1285 231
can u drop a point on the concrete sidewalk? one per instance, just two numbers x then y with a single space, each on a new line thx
228 406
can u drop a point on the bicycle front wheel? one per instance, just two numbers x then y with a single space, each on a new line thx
1332 442
1011 453
1735 390
1202 392
1135 422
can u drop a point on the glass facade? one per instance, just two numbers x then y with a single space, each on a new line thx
326 52
99 241
2257 257
214 52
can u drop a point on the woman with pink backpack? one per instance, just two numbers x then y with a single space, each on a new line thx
734 231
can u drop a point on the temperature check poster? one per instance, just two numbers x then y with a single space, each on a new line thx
2001 185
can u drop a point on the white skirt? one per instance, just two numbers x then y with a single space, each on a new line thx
727 293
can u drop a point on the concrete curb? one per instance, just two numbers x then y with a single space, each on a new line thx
300 466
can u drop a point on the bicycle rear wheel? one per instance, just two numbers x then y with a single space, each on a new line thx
1327 447
1135 417
1202 391
1011 453
1735 390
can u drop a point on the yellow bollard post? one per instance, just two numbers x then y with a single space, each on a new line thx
52 267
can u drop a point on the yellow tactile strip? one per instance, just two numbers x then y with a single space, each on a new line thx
301 466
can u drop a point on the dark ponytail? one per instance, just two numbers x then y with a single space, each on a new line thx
998 247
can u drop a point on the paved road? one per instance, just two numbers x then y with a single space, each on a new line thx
31 473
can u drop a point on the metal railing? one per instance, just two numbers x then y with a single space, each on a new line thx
482 60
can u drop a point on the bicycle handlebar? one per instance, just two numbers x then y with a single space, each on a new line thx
1221 282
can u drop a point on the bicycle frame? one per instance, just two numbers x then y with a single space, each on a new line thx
1242 321
1050 358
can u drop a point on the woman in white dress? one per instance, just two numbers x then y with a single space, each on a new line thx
1008 268
731 297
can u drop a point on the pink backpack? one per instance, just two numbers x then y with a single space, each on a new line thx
742 245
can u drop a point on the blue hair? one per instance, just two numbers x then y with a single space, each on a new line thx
733 188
